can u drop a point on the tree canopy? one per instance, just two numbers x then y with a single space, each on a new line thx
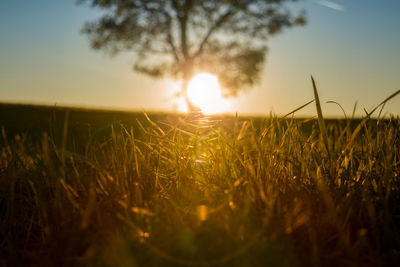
181 37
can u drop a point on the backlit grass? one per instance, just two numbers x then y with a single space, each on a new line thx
195 190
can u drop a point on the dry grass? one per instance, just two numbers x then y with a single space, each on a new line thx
195 190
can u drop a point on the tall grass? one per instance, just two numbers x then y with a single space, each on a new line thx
204 191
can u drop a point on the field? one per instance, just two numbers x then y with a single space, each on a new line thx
101 188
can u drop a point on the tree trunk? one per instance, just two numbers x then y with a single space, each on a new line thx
190 105
187 75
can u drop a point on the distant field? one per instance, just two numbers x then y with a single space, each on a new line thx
103 188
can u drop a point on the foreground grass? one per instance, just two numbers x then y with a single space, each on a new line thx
194 190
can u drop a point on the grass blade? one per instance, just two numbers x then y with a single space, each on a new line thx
359 127
321 121
354 110
340 106
297 109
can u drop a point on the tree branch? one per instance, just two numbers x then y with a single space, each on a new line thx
212 29
168 17
171 43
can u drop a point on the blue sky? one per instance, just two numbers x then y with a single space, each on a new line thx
353 54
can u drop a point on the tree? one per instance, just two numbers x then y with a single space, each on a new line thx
181 37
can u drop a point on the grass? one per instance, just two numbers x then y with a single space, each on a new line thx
122 189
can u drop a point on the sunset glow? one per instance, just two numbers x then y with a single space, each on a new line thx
205 92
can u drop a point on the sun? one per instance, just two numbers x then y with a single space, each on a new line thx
204 92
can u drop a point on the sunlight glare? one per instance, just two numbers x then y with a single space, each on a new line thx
178 101
205 92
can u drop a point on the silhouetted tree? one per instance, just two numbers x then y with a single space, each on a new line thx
181 37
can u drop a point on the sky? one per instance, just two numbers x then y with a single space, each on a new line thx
351 47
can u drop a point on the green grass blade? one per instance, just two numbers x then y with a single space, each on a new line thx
321 121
